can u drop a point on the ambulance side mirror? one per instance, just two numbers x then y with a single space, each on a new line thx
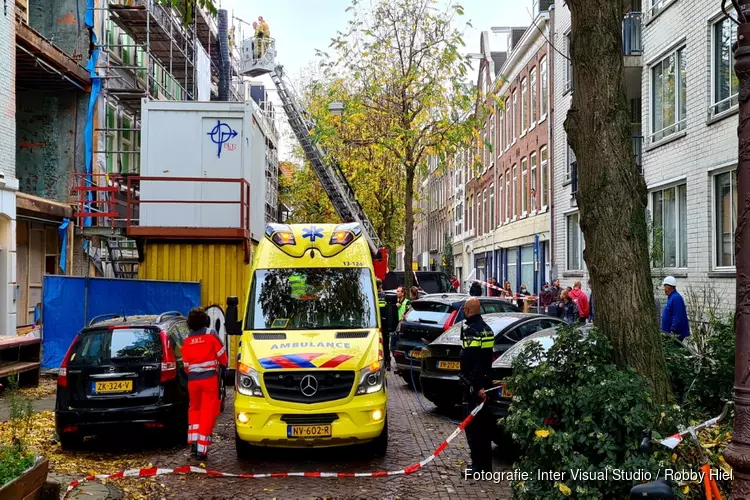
233 325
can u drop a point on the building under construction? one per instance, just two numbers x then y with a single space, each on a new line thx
149 51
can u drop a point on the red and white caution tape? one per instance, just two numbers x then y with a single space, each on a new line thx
188 469
513 297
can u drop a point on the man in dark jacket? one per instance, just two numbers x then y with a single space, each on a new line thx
674 318
476 289
476 375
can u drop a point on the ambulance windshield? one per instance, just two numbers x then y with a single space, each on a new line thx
312 298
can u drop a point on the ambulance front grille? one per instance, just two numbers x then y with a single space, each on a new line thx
329 385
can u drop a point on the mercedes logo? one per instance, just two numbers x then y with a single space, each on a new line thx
308 385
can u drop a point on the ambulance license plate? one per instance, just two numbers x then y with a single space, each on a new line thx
449 365
309 431
113 386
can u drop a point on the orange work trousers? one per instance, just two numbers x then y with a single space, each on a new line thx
204 408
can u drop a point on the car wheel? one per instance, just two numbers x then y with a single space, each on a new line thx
243 448
229 378
71 441
379 446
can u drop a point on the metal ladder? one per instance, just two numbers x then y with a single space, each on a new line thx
334 182
122 266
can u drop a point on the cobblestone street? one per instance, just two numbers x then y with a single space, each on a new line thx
413 435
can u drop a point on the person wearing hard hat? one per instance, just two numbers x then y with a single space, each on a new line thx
674 318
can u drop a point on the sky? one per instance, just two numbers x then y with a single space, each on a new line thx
301 26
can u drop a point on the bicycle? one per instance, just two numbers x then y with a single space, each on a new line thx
661 489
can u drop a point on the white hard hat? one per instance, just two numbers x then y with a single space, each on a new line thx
669 280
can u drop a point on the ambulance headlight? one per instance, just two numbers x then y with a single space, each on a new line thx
247 381
371 379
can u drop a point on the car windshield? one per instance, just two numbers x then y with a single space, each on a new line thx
312 298
111 346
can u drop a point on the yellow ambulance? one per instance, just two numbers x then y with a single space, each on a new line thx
310 368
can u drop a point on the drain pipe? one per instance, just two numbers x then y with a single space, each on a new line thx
550 29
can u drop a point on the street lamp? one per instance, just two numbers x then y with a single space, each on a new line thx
737 453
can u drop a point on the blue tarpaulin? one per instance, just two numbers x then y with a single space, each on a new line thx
69 303
63 230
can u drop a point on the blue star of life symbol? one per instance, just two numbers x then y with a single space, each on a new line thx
221 134
312 233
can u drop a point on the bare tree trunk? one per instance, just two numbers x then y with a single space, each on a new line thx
611 193
408 226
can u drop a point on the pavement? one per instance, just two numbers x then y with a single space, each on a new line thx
413 435
37 405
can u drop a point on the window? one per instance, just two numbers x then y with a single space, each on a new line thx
514 111
493 143
725 82
478 214
508 210
524 186
544 89
524 106
545 178
492 207
459 218
668 96
470 208
533 181
568 66
725 217
483 149
500 133
527 267
575 243
513 268
571 159
515 188
485 213
508 123
669 233
500 199
532 98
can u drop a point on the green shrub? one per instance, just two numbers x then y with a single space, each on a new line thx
702 375
574 410
13 463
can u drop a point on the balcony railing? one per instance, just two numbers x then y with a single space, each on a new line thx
632 34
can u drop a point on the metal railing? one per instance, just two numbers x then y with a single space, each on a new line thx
632 34
135 200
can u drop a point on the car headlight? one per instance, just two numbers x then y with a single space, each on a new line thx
247 381
426 353
371 379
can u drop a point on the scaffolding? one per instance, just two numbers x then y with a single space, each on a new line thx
146 52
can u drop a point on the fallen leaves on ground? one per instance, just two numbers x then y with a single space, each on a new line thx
40 437
47 387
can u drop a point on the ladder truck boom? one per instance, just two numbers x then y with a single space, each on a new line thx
258 59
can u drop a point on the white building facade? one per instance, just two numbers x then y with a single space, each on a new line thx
690 150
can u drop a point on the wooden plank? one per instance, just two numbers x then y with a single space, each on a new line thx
12 341
40 47
20 367
37 205
22 10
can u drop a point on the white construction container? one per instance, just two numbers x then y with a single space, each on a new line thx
211 140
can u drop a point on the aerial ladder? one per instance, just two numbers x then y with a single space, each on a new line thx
259 58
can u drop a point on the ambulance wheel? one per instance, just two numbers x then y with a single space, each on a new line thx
243 448
379 446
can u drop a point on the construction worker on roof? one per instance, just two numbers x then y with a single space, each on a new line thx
204 357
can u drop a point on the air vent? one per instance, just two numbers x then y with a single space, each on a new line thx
269 336
352 335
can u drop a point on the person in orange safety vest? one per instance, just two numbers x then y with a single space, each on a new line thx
203 355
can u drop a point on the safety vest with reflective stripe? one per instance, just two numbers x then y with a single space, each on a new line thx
402 309
486 340
202 353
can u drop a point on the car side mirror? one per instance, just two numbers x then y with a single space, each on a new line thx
233 326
